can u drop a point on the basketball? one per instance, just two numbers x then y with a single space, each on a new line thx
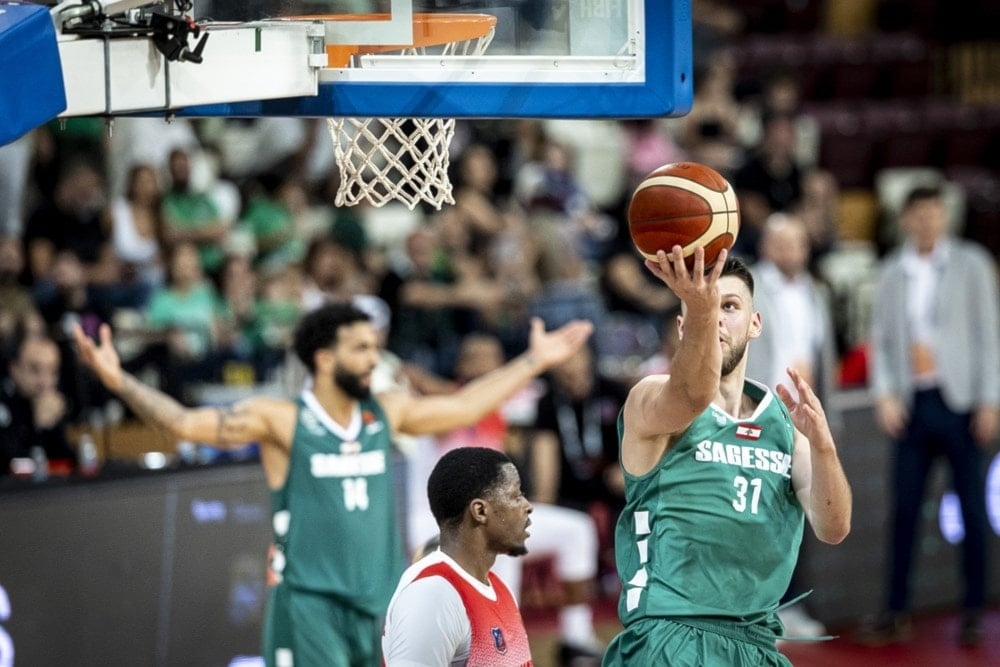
685 204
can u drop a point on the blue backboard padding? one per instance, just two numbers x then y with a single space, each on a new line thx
667 91
31 80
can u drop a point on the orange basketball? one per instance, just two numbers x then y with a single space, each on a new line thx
685 204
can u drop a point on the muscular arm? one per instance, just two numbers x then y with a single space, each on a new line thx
817 476
230 426
424 415
663 404
267 421
822 488
660 405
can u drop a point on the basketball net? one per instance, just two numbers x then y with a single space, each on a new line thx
402 159
386 159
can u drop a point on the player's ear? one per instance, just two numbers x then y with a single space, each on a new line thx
756 324
478 510
323 360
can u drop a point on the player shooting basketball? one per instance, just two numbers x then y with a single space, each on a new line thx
718 476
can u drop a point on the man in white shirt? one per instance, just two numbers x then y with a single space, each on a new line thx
788 294
933 365
449 609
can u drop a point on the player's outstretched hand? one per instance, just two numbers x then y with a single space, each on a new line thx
807 412
694 287
551 348
101 359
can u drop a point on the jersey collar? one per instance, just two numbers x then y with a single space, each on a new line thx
353 429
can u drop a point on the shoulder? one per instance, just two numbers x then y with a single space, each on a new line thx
891 266
426 622
645 389
971 251
647 384
276 411
431 594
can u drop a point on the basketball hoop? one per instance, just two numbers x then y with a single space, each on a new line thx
402 159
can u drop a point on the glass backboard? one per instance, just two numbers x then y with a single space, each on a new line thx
546 58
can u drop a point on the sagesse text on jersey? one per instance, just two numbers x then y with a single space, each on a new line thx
744 456
347 465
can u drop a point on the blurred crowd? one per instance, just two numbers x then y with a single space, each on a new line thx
201 241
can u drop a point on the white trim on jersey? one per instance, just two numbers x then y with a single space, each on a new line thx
352 431
427 624
758 411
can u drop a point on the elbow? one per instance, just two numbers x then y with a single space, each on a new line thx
834 537
835 533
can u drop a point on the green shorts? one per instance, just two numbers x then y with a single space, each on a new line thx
695 643
305 629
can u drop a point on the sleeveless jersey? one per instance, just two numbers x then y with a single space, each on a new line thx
334 520
714 529
498 635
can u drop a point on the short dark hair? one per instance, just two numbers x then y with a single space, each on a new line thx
735 266
461 476
921 193
319 329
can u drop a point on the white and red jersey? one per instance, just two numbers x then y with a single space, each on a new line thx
441 615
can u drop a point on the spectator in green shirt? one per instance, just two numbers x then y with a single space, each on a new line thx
184 311
269 220
191 216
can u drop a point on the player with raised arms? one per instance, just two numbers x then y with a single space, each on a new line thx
337 547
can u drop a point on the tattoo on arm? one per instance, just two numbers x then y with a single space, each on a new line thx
223 414
232 426
151 405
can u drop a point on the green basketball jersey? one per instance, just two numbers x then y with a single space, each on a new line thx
334 520
714 529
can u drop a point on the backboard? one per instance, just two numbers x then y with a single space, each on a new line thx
547 58
252 58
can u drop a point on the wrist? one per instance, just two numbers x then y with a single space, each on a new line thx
117 385
823 445
531 360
